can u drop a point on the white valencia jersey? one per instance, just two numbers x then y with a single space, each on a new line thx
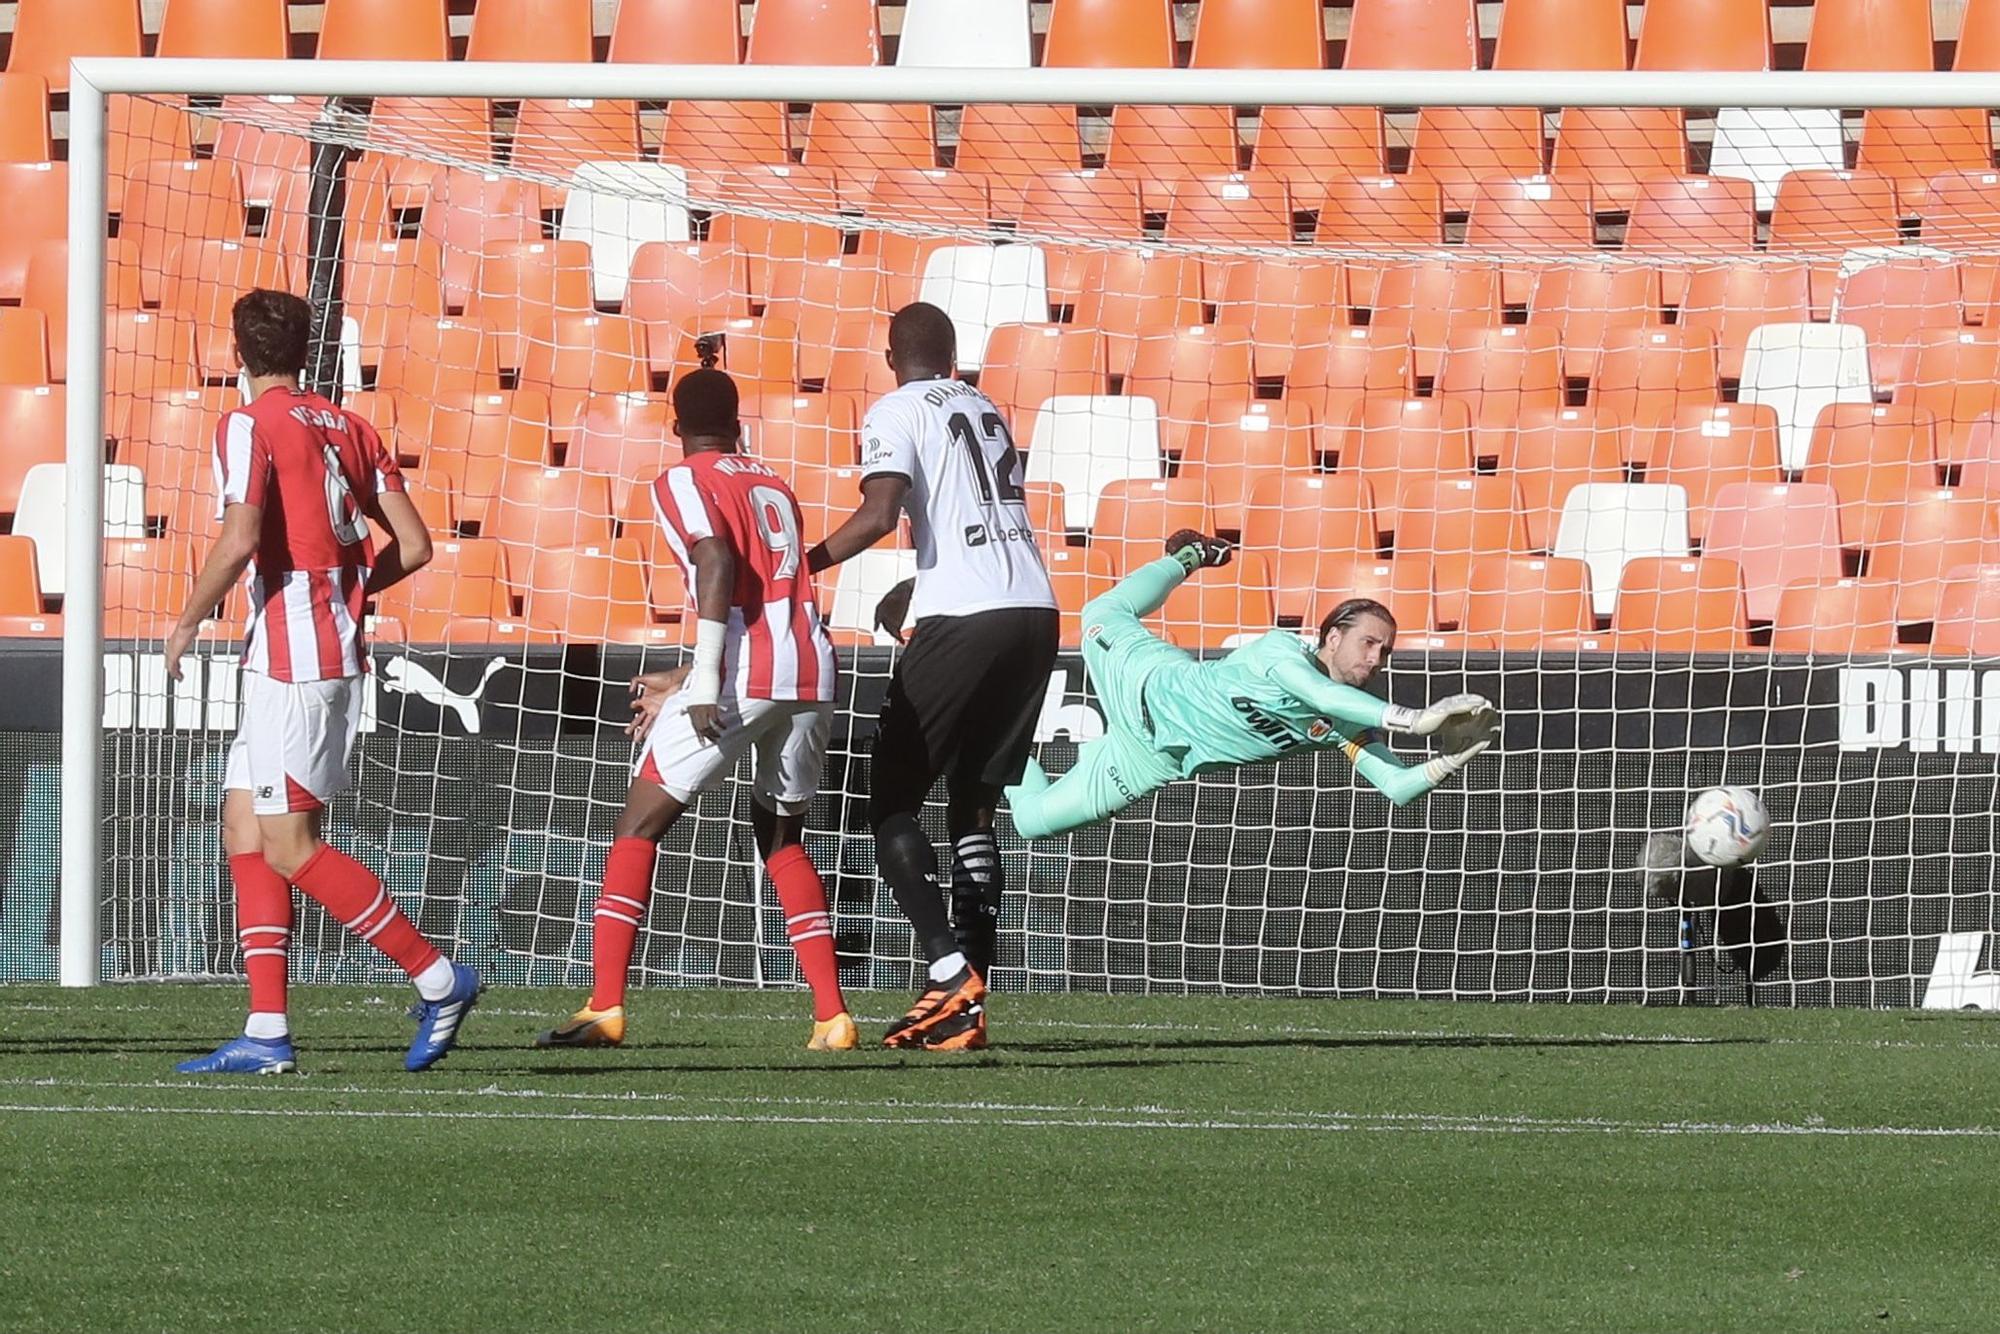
976 548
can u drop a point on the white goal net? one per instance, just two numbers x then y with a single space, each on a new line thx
1667 428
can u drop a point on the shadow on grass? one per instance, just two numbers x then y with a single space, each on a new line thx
1364 1042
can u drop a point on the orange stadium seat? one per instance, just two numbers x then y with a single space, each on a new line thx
1896 304
1834 211
1529 215
1166 143
1968 614
147 352
429 357
678 32
1390 440
854 362
463 439
1678 604
1704 448
519 282
588 594
530 30
1870 35
1078 574
1704 35
171 441
1647 375
1307 525
929 195
385 30
554 137
1237 209
203 281
1521 600
716 136
270 163
1180 369
1224 606
467 577
1779 533
459 126
827 496
24 118
1110 33
1913 145
1260 34
1135 516
820 296
1549 451
1236 447
1082 204
667 591
1353 363
816 32
1402 584
1500 372
226 29
1131 290
1682 217
387 283
536 508
1310 145
139 130
1013 146
1387 213
688 283
1413 34
1873 455
1458 147
20 584
627 438
1955 375
863 137
1452 520
1561 34
1615 151
168 203
1959 211
1915 545
1844 616
1730 300
37 195
1582 303
1979 36
146 583
790 430
761 353
31 422
48 34
1026 364
1285 304
573 355
1434 300
467 213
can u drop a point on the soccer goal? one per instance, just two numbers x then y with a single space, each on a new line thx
1666 427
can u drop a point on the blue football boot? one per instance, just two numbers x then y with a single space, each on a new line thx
244 1056
438 1022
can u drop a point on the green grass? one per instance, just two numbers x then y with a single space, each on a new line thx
1113 1164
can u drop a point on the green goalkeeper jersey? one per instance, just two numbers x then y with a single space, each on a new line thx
1264 700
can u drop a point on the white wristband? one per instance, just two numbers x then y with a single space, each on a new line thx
1397 718
704 683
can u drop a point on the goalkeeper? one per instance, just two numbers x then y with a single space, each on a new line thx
1171 716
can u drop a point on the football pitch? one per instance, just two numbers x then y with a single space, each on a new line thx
1113 1163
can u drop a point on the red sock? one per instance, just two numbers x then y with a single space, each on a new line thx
628 883
263 928
802 896
353 895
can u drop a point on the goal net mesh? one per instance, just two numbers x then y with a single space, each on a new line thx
1668 430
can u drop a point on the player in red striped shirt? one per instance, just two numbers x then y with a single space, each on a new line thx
299 478
761 681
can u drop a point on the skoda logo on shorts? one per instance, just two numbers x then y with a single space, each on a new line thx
975 535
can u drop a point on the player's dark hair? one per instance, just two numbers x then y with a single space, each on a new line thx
921 337
273 331
705 404
1350 611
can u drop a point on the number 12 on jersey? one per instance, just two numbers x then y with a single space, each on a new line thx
1001 479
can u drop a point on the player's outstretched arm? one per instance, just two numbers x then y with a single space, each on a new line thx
881 505
241 527
1402 783
1343 703
409 546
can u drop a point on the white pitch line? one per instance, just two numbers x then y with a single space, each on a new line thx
1442 1126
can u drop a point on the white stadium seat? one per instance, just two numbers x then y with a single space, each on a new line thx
1797 369
990 34
1085 442
1606 524
981 287
44 515
861 583
1762 145
616 207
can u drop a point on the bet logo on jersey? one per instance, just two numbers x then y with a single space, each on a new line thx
975 535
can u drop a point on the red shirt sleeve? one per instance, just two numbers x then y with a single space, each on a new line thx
388 473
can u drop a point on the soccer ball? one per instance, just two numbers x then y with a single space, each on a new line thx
1727 826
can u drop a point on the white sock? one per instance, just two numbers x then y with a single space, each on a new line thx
435 982
945 969
266 1027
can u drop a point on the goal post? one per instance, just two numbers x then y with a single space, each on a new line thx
1519 881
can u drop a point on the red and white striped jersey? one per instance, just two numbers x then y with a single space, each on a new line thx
313 468
777 648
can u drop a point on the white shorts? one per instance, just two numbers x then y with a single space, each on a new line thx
294 742
788 736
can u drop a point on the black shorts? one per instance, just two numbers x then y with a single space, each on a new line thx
963 705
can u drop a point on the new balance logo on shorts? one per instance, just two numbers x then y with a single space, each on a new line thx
266 792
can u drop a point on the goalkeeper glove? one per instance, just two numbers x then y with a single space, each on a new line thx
1441 767
1423 722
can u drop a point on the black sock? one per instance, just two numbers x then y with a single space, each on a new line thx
977 882
906 860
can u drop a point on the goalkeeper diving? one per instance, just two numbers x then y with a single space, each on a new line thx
1169 715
